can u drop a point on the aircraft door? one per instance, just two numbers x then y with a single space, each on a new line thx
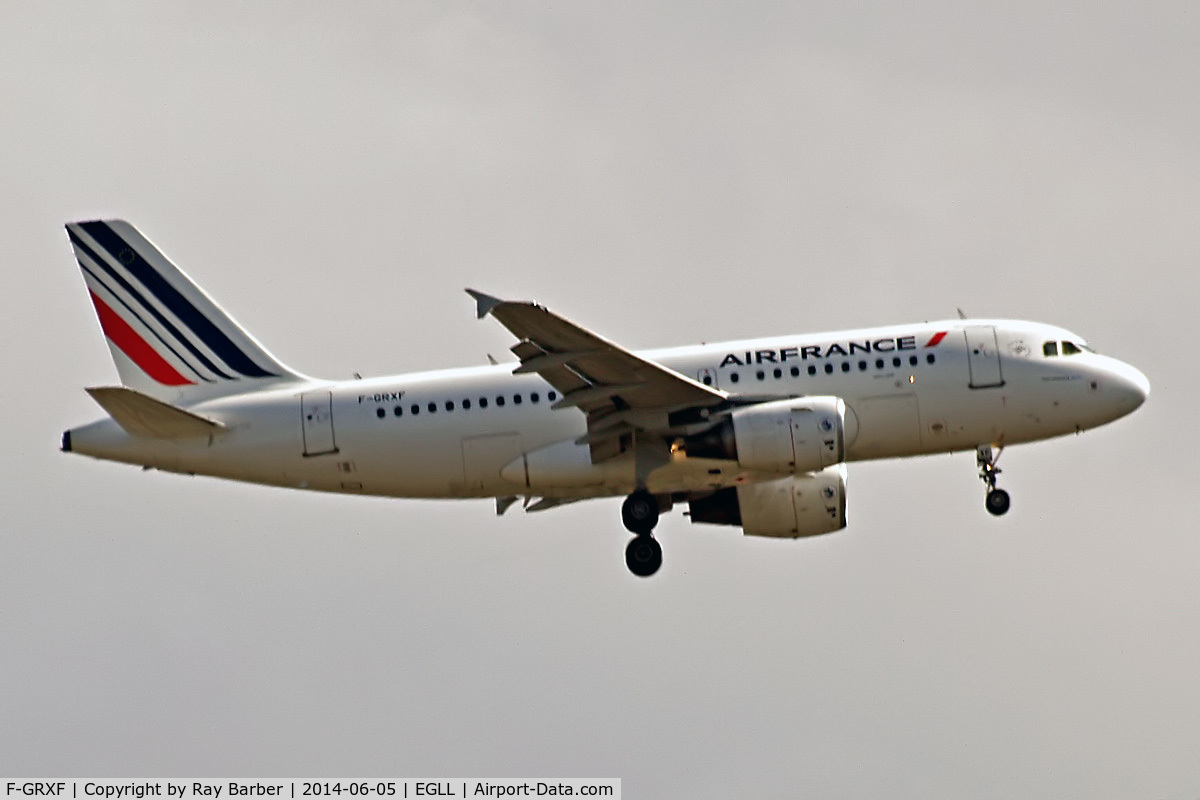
708 377
316 423
983 356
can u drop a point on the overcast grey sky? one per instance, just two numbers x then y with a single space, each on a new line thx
664 174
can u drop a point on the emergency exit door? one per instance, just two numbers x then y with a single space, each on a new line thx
316 423
983 356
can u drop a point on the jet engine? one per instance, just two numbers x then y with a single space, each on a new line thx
798 505
799 435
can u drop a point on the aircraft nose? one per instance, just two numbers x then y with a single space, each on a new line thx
1130 385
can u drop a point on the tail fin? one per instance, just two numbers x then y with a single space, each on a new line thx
168 338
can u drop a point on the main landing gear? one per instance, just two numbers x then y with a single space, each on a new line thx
639 512
997 500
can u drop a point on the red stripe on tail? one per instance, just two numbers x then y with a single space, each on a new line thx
937 337
134 346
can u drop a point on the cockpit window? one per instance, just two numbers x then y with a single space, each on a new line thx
1050 349
1069 349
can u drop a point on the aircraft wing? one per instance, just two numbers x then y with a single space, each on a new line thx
613 387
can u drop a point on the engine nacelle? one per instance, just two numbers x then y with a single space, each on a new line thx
799 505
805 434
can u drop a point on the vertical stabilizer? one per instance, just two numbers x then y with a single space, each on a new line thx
168 338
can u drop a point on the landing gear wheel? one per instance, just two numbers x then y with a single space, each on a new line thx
643 555
639 512
996 502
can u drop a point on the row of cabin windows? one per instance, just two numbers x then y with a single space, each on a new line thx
465 405
846 366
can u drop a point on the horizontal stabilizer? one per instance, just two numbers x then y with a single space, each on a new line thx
142 415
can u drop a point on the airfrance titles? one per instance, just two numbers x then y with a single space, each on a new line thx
820 351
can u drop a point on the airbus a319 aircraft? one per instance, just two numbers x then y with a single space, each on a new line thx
753 433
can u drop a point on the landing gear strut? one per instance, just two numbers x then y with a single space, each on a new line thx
997 500
639 512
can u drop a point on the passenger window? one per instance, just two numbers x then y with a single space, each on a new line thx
1069 349
483 402
449 405
499 399
414 409
795 372
1050 349
533 397
912 361
778 372
433 408
862 366
896 361
379 412
551 396
760 375
879 363
845 366
398 411
708 380
929 359
812 369
517 399
733 377
829 369
466 404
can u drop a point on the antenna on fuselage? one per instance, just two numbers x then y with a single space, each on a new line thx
961 315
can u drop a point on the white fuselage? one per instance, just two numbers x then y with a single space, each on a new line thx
459 433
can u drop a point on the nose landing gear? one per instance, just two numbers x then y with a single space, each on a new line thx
997 500
639 512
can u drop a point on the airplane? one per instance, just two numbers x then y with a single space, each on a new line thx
753 434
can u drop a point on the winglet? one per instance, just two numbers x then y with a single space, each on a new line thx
484 303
